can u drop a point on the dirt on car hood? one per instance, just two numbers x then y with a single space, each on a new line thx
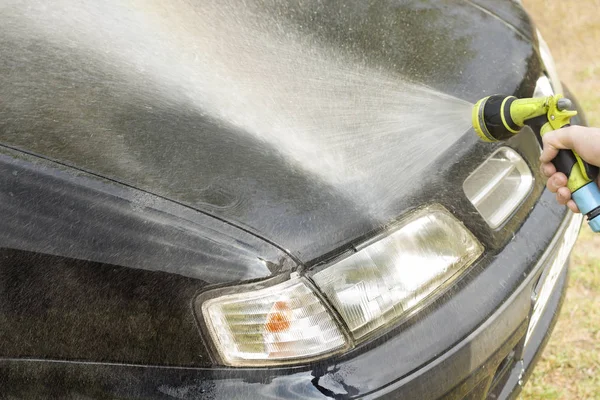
280 118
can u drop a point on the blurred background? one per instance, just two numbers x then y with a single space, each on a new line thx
570 365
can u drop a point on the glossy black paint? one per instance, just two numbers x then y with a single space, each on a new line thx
68 289
413 361
121 200
65 309
49 208
78 102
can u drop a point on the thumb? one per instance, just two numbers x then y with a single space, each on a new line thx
554 141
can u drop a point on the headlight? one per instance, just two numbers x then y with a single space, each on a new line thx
499 186
273 325
388 279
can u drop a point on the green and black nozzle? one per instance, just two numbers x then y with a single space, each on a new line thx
498 117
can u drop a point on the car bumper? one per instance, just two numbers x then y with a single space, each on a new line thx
472 360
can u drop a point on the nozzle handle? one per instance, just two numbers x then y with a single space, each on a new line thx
582 183
587 199
566 160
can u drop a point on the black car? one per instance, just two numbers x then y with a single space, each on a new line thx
272 200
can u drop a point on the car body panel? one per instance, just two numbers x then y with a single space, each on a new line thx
413 360
151 151
94 270
225 108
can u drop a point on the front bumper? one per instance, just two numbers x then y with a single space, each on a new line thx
504 372
469 360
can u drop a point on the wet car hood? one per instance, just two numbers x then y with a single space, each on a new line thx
280 118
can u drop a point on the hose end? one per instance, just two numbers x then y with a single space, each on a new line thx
492 120
587 199
478 121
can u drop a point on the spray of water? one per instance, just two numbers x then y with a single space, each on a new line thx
354 126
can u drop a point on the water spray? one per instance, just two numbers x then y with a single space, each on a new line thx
500 117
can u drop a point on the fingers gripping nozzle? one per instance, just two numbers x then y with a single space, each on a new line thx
500 117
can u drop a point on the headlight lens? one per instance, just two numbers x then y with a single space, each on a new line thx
499 186
273 325
388 279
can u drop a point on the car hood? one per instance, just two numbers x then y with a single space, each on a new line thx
280 118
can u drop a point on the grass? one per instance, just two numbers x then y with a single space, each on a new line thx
570 365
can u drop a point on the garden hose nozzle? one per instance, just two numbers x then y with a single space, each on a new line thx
500 117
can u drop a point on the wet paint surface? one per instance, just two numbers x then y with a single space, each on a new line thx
308 124
374 366
67 309
50 209
301 128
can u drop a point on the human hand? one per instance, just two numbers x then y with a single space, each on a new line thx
585 141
